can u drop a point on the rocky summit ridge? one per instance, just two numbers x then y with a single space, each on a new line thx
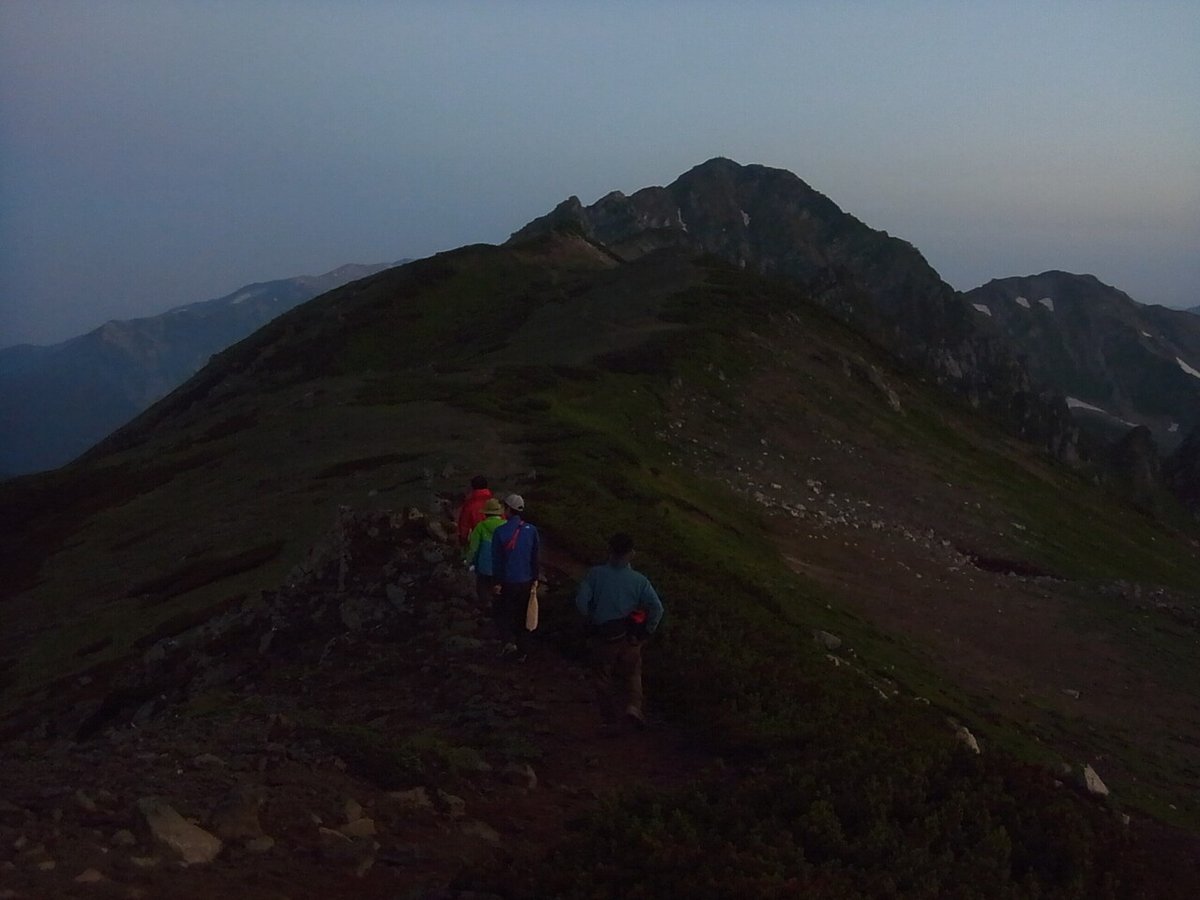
771 222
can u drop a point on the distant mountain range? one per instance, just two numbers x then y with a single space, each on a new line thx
57 401
1118 362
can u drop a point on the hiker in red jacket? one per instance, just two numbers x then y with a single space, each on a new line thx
471 513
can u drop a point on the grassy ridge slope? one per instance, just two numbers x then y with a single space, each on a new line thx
386 391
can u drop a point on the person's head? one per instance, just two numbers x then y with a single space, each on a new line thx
493 508
515 503
620 547
478 483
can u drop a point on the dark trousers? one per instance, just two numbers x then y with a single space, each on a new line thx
617 669
509 607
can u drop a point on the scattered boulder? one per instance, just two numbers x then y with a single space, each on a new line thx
191 842
966 738
354 810
1092 782
89 876
208 761
828 641
123 838
1072 693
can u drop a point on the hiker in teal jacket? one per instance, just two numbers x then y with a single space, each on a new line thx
478 555
622 610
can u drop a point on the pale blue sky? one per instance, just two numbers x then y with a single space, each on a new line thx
153 154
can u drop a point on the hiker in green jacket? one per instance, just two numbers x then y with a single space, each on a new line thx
622 610
478 555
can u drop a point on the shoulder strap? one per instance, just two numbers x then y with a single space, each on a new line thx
511 543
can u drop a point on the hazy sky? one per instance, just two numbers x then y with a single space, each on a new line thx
155 153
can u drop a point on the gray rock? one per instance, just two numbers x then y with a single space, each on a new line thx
354 810
1092 782
123 838
827 640
144 862
191 842
1072 693
966 738
208 761
89 876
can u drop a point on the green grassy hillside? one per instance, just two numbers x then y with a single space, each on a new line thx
700 408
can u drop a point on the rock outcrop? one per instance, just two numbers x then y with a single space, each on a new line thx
1181 473
190 842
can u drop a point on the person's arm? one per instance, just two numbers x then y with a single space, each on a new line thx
652 604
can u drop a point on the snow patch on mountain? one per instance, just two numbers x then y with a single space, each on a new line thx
1076 403
1048 303
1187 368
1021 301
745 217
982 308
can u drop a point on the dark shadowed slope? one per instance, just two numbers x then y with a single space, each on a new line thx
57 401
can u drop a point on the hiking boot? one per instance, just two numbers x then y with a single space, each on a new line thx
635 717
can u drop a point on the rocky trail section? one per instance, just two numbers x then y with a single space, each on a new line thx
355 733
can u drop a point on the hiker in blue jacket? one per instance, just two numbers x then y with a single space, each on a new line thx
622 610
515 546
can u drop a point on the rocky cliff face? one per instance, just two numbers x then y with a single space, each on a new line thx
1118 362
1181 472
770 221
